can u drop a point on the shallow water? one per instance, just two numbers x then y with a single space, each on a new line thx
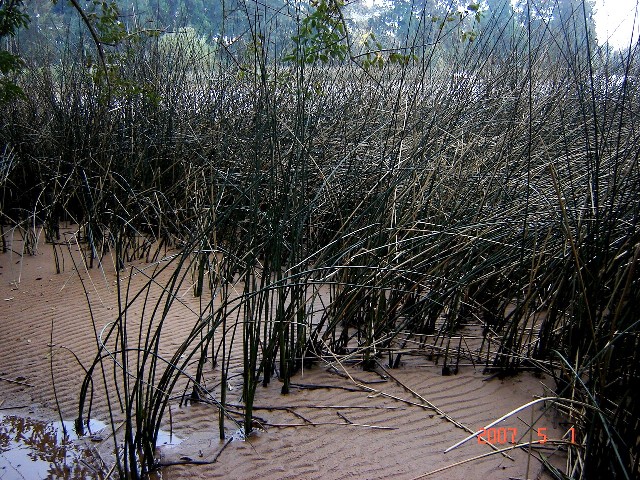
35 449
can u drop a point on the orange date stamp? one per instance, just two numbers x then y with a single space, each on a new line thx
503 435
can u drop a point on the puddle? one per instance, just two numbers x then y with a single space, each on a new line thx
34 449
238 435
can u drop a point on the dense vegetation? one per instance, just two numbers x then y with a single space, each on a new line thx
467 166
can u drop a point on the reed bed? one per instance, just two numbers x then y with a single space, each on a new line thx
464 208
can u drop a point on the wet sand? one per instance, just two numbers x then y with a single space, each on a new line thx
337 422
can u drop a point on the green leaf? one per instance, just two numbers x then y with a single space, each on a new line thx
9 91
9 62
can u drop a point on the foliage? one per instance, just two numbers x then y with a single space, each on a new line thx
107 21
12 18
322 34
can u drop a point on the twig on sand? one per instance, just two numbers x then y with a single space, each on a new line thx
13 407
321 407
424 400
488 454
308 386
437 409
18 382
299 415
190 461
364 425
344 418
374 392
332 369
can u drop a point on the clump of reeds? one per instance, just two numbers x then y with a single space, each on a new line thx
332 210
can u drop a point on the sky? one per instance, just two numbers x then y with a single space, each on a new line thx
615 21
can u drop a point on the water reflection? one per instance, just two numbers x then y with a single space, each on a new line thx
33 449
